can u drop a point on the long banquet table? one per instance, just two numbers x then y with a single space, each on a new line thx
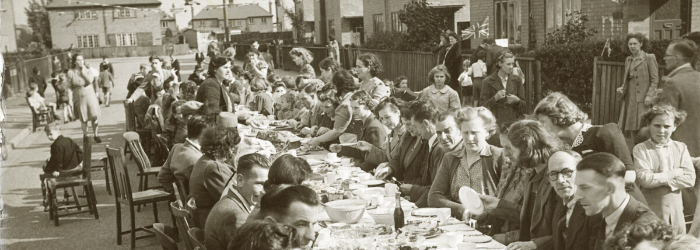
440 242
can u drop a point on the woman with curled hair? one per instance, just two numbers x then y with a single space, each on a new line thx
367 132
345 86
389 114
439 93
328 67
473 163
262 101
265 235
639 87
502 92
85 104
213 170
683 242
212 91
529 145
303 57
664 166
453 61
646 235
368 67
565 120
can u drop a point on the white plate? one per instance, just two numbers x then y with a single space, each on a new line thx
373 182
470 200
477 239
425 212
336 160
314 162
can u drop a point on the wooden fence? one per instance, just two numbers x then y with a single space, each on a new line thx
18 73
607 77
284 35
131 51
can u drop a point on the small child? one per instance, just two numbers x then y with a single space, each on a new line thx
466 82
66 155
664 166
478 71
262 100
402 82
38 102
286 107
106 82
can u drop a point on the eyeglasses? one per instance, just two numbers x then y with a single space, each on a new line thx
553 176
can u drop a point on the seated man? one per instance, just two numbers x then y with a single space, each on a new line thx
296 206
38 102
600 184
183 156
233 209
365 127
571 228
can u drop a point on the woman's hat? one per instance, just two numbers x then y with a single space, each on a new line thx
190 107
227 119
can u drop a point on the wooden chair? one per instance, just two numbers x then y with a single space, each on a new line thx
72 179
197 236
130 122
154 118
180 193
142 161
124 195
39 116
192 207
183 220
163 235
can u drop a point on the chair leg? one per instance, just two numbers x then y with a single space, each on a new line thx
106 169
94 201
49 200
133 227
45 200
145 182
119 223
138 208
54 201
155 211
75 198
88 199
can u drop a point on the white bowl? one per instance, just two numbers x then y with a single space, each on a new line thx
346 211
367 193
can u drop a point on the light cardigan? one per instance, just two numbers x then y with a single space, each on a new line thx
444 98
647 163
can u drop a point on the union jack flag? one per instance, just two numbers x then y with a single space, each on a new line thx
477 30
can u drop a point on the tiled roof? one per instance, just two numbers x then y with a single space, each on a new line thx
164 16
55 4
233 12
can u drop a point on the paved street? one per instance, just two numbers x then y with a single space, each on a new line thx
26 226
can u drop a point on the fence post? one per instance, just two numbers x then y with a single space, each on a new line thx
596 109
538 80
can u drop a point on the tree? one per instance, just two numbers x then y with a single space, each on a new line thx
297 18
38 20
25 36
423 24
574 30
168 33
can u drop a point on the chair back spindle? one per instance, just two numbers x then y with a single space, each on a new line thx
120 174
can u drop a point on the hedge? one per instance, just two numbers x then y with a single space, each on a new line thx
568 68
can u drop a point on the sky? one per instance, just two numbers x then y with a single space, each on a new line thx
21 18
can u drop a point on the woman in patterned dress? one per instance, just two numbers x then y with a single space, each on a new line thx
81 80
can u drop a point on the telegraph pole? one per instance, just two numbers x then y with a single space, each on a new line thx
226 38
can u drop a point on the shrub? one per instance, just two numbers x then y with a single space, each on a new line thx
568 68
387 41
574 30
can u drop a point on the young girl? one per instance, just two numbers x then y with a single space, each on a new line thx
262 101
286 107
255 66
664 166
302 58
466 81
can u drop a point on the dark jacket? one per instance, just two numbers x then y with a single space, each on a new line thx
580 234
421 189
492 54
228 214
109 67
407 152
369 130
207 182
635 211
453 62
65 155
40 82
199 57
211 93
537 212
503 111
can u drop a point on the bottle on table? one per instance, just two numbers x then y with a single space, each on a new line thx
399 220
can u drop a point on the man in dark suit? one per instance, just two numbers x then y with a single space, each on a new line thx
229 213
400 164
600 188
571 228
365 126
39 80
66 155
199 57
183 156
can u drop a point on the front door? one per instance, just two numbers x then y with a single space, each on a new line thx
670 18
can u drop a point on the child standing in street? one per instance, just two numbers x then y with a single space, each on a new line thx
466 81
106 82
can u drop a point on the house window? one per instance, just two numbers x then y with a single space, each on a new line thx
164 24
87 41
378 22
124 13
85 14
126 39
556 11
507 20
201 24
396 24
251 20
264 20
239 23
214 23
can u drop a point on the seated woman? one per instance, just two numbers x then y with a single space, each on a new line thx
262 101
38 103
265 235
365 128
664 166
345 85
474 163
648 235
390 115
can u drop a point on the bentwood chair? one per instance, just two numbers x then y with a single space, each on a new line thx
124 195
71 179
183 220
164 236
197 236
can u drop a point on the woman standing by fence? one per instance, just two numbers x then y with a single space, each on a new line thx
87 108
639 85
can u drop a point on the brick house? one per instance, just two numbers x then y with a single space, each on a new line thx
340 18
167 22
241 18
658 19
307 7
104 23
383 15
8 36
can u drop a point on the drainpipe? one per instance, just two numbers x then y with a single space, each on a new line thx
104 24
